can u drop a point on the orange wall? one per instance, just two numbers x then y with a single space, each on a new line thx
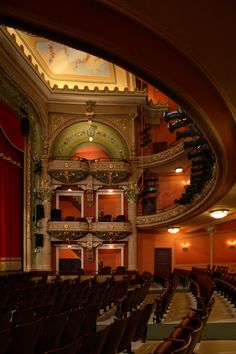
198 250
198 254
68 209
110 257
90 152
170 188
110 204
67 253
147 242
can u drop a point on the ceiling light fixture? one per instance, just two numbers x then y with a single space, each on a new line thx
178 170
219 213
173 230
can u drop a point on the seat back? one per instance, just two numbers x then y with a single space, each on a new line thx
116 332
93 342
186 348
25 337
53 327
4 338
70 348
73 326
128 336
141 330
5 321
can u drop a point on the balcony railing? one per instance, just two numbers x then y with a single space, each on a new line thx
108 171
74 230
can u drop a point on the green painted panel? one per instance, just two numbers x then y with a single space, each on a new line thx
77 135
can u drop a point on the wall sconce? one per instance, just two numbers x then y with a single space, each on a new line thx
185 246
173 230
231 244
219 214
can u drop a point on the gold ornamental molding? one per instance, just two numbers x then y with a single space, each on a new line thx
74 230
64 230
166 156
111 230
110 171
68 171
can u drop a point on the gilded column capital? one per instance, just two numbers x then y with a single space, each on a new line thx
211 230
46 193
131 192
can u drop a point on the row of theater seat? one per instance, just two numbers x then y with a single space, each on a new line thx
164 299
226 286
56 215
187 334
68 324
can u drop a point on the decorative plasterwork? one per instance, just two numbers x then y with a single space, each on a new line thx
72 171
67 171
166 156
153 112
65 230
75 135
71 231
110 171
111 230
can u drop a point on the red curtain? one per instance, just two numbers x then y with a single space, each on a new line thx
11 202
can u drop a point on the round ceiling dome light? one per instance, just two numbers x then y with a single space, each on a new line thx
219 213
178 170
173 230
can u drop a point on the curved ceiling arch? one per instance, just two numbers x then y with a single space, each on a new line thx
145 52
67 142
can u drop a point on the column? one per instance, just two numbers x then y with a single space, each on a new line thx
133 116
211 230
43 257
131 193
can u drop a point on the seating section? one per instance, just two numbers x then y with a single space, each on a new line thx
60 316
184 338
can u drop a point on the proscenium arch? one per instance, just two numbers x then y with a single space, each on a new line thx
119 36
75 135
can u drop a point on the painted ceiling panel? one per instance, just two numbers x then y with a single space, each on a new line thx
61 65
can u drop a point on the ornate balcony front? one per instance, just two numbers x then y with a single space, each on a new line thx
68 171
67 230
110 171
74 230
111 230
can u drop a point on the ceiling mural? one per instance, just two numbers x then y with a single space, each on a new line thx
61 65
63 60
77 135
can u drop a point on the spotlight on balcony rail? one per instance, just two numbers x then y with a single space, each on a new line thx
194 143
193 131
179 123
174 115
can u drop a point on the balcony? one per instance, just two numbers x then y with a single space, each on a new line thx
74 230
68 171
67 230
108 231
108 171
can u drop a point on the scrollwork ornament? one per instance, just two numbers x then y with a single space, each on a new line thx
132 195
